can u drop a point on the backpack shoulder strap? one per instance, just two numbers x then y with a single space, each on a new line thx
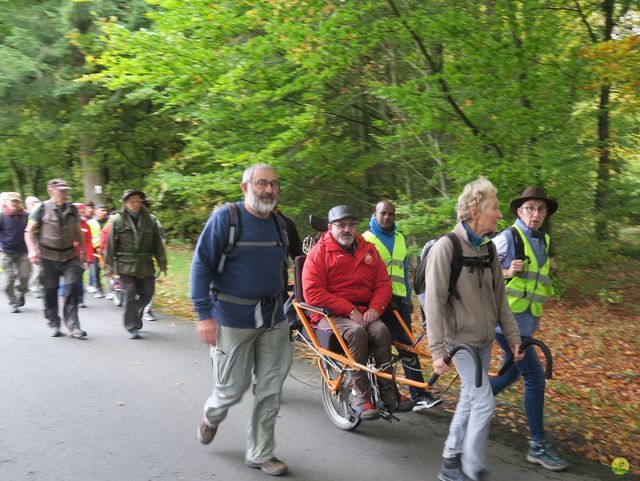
234 233
456 264
517 242
282 231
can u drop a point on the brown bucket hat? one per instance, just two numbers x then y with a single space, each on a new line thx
537 193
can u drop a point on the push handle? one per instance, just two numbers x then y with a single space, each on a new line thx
474 355
548 371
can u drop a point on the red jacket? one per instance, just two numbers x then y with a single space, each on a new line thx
86 232
336 280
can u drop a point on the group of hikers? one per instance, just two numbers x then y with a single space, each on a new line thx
62 239
478 288
236 284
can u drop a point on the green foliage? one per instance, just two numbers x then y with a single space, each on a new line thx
351 103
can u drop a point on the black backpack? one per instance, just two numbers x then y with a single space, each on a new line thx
234 235
457 262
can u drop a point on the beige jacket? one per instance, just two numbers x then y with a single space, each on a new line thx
471 319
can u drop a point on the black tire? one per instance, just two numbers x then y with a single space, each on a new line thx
337 405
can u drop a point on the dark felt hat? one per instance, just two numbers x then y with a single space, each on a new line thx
340 212
129 192
536 193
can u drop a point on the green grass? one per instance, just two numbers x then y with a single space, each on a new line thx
630 242
172 292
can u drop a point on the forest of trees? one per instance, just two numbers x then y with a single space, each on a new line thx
350 101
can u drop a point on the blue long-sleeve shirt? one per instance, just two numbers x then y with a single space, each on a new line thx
249 272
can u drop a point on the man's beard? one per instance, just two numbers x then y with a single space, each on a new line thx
260 203
345 241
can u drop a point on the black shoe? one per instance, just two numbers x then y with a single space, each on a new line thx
450 470
21 301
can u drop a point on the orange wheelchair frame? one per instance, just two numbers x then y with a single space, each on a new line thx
335 359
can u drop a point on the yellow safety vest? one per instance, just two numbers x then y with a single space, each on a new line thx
532 287
393 260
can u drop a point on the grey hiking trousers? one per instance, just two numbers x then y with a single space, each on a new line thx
239 354
469 429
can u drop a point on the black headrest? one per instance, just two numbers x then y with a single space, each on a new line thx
318 223
297 274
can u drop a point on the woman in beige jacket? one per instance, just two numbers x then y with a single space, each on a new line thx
468 315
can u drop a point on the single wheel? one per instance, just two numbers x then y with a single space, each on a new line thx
117 298
337 405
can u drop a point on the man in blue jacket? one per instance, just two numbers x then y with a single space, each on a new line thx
15 262
236 278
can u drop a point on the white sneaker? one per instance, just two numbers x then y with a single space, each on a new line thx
108 296
98 295
91 289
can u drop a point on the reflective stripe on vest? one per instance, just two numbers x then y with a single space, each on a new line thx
531 288
394 261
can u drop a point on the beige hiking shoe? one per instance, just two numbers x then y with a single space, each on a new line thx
205 432
272 467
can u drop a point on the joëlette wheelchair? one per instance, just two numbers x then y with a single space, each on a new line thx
336 361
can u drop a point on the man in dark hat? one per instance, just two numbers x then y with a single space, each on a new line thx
527 264
50 235
134 240
345 274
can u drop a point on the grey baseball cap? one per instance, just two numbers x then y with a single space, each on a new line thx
340 212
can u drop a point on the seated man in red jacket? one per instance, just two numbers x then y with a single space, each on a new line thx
345 274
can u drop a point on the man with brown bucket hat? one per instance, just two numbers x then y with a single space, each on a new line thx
527 264
134 240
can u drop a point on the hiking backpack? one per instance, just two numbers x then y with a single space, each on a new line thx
458 261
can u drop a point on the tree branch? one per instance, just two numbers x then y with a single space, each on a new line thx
443 85
592 34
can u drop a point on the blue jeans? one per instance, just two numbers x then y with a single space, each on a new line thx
531 370
411 364
92 275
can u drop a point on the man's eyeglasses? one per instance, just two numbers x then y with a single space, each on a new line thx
529 209
345 225
263 183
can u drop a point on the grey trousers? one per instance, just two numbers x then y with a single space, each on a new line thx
239 354
16 267
376 338
469 429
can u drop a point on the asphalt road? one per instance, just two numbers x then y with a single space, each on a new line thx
111 408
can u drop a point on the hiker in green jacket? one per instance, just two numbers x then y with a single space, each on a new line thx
133 243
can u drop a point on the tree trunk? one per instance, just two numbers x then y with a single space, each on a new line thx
604 138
